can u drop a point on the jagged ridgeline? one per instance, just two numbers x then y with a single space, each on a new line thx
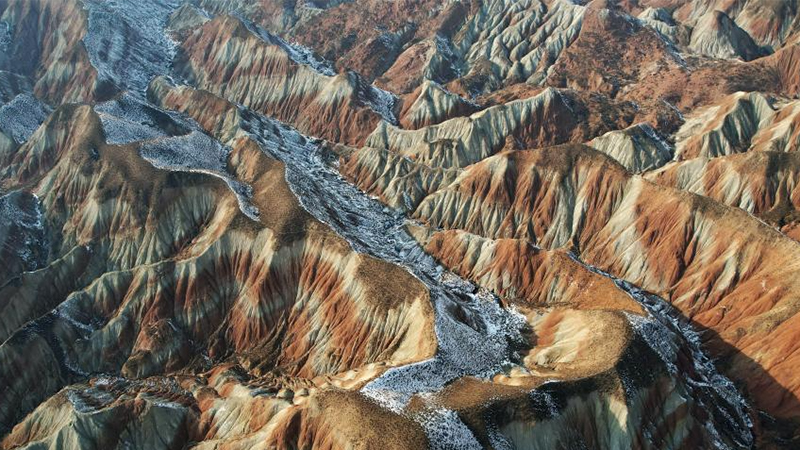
369 224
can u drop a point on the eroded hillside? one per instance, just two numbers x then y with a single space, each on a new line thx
501 224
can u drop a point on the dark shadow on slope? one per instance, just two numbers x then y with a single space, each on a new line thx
775 409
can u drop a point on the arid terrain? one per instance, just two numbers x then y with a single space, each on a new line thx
399 224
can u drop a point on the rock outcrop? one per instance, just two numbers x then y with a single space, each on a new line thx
265 74
761 183
546 118
638 148
128 291
508 42
45 45
716 35
430 104
228 224
739 123
768 23
652 236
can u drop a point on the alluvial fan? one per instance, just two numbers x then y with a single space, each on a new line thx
473 224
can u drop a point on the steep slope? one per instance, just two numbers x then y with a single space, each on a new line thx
430 104
45 45
525 275
486 44
654 237
131 292
632 60
397 180
608 38
336 30
11 85
348 224
528 373
767 22
21 234
222 407
785 63
508 42
661 20
637 148
716 35
744 121
588 329
403 166
546 118
761 183
225 57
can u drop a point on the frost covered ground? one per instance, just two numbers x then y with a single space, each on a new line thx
170 141
298 53
482 344
5 38
196 152
126 41
379 100
20 117
127 44
479 346
664 331
22 228
128 119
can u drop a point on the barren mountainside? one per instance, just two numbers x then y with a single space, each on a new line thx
408 224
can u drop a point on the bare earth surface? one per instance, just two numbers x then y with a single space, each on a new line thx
368 224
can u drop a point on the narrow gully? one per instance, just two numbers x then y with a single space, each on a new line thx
479 345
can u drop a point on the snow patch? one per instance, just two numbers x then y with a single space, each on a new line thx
664 331
87 401
129 120
475 334
20 117
5 37
197 152
446 431
21 214
382 102
674 108
296 52
127 42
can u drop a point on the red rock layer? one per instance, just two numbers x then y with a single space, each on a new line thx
339 34
46 46
430 104
21 235
786 62
633 62
224 57
220 407
762 183
522 274
553 290
153 271
767 22
403 166
727 272
69 127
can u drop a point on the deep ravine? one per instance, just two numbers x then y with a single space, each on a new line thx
128 46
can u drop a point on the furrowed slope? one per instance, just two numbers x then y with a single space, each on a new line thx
709 260
225 57
131 289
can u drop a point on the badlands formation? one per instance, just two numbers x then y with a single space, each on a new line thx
369 224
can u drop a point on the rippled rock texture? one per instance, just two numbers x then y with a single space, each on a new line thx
497 224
